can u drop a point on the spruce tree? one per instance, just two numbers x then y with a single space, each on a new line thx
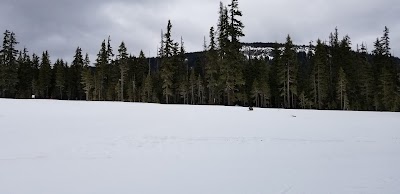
366 79
101 72
234 78
289 73
223 48
385 41
320 79
148 88
25 75
45 76
123 66
76 75
166 66
342 90
200 90
112 74
87 78
211 67
35 72
9 65
60 77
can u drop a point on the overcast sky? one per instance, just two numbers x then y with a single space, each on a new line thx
59 26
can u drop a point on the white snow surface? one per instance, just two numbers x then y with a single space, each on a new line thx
70 147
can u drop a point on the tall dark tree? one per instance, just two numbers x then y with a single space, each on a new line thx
235 57
212 69
288 75
87 78
101 73
122 59
35 72
320 79
60 77
45 76
385 41
76 69
25 75
342 90
166 66
9 65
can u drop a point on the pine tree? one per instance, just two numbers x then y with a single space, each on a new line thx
223 25
9 65
320 77
123 65
274 77
45 75
60 77
234 77
366 79
223 48
256 92
192 83
342 90
35 72
25 75
112 74
77 91
87 78
200 90
385 41
148 89
166 67
385 75
289 72
101 72
211 67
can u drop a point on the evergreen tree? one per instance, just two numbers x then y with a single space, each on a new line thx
112 74
234 76
60 77
274 77
366 80
87 78
385 41
289 73
385 73
25 75
123 66
192 82
342 90
223 48
211 73
76 69
9 65
101 72
320 77
200 90
148 88
166 67
35 72
388 89
45 76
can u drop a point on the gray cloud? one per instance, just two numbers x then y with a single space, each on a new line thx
60 26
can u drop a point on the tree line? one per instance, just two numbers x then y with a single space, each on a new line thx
329 76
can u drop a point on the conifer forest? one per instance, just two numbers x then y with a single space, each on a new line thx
329 75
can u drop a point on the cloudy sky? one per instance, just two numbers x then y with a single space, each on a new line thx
59 26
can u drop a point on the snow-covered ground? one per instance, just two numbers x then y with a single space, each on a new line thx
66 147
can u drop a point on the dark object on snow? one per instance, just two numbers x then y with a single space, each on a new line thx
250 108
294 116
